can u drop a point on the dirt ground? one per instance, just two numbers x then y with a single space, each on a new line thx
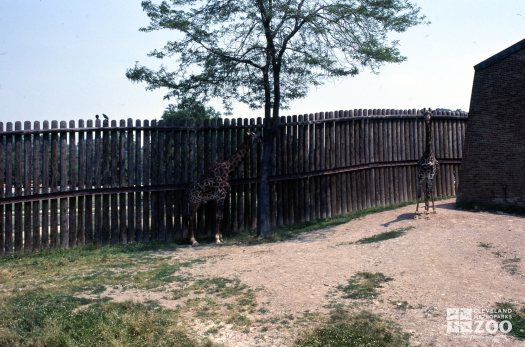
454 259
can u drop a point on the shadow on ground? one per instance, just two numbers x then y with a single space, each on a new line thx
411 215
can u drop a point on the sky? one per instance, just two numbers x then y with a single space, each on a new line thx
66 60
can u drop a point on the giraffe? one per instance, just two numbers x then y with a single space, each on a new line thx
427 166
214 185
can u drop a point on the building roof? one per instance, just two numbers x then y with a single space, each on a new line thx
518 46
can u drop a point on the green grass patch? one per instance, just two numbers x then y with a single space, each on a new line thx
263 310
363 329
223 287
218 299
517 319
239 320
385 236
91 269
364 285
220 287
43 318
40 306
103 254
160 274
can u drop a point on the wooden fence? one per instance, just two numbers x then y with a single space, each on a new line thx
66 185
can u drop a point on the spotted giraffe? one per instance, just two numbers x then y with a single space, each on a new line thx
427 166
214 185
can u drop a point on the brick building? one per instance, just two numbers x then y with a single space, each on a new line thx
493 166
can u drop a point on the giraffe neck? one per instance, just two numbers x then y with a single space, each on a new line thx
429 150
238 156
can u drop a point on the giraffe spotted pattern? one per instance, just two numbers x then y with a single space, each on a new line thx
427 167
214 185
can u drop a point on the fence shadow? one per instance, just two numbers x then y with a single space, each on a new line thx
312 236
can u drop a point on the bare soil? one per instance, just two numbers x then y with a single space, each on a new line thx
453 259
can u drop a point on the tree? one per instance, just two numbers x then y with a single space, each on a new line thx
265 53
189 109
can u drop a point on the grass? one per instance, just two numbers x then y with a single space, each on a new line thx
517 319
46 318
385 236
227 288
364 285
218 299
219 287
362 329
56 298
79 270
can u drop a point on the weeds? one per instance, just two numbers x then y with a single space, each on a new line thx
363 329
511 265
485 245
363 285
217 299
385 236
401 305
517 319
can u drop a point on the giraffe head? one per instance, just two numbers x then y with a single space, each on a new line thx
254 137
427 114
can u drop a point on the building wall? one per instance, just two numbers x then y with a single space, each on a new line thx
493 166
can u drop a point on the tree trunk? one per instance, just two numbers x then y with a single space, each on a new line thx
263 208
263 199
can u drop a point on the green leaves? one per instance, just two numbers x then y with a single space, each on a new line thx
189 108
237 50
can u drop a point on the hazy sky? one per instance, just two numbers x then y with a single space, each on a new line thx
66 59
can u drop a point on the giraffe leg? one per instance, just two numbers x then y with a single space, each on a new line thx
428 193
191 224
218 219
418 192
432 196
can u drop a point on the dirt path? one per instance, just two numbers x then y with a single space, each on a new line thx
455 259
